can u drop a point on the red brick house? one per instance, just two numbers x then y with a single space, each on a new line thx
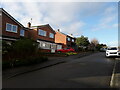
45 35
11 29
64 39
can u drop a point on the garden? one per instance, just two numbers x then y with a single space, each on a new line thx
20 53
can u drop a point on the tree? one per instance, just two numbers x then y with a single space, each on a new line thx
94 44
99 46
94 41
82 41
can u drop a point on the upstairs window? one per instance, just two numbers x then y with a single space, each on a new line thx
22 32
8 27
73 40
68 39
11 28
51 35
42 32
14 28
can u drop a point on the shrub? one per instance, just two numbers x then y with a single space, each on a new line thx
6 47
25 47
22 52
6 64
71 53
23 62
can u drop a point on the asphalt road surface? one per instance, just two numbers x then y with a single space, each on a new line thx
93 71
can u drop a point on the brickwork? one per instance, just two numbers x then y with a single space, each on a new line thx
5 20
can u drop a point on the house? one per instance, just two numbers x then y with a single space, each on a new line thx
11 29
45 36
65 40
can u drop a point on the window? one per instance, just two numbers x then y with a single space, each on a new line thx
8 27
112 48
73 40
11 28
42 32
59 46
51 35
68 39
14 29
53 46
22 32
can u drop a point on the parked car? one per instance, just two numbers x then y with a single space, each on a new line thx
103 49
64 50
112 51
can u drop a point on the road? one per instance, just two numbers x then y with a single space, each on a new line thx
93 71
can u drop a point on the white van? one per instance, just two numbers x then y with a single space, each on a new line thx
112 51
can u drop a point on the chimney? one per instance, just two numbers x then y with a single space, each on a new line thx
58 30
29 24
71 34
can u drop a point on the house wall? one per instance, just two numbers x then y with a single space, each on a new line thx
6 19
70 43
60 38
48 30
34 34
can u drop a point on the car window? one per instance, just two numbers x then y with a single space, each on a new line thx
113 48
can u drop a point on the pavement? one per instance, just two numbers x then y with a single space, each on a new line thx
9 73
115 83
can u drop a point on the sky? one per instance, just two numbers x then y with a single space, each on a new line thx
92 19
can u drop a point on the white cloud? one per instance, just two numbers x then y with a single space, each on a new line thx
109 11
74 28
61 0
55 14
113 43
59 15
108 20
115 25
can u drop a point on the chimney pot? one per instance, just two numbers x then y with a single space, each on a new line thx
58 30
29 24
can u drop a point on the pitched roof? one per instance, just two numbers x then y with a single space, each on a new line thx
46 25
66 34
2 10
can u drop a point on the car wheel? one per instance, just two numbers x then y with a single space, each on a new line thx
107 56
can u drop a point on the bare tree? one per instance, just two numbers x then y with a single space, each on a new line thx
95 42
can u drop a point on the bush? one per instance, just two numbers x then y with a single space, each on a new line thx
23 62
25 47
71 53
6 64
6 47
20 53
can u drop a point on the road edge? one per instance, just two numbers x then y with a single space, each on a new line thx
113 75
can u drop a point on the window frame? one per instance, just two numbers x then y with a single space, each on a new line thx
68 39
7 28
44 32
11 30
23 34
73 40
51 34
